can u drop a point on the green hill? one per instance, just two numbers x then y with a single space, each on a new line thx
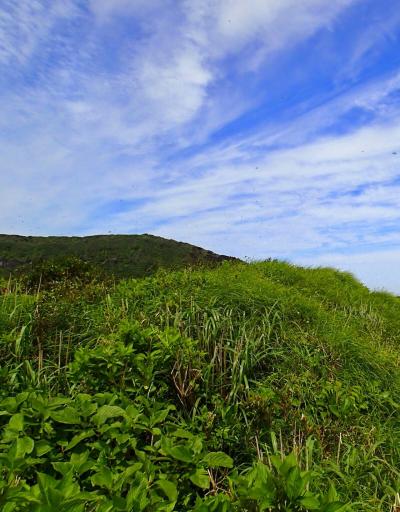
121 255
245 387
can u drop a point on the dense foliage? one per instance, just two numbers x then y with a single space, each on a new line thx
258 387
119 255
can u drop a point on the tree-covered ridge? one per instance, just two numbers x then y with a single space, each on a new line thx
120 255
258 387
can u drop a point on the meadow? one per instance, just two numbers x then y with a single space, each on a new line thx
244 387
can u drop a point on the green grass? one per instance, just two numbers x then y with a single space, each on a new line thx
242 387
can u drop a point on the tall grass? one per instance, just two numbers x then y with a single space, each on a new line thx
261 358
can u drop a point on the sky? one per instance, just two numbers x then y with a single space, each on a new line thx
258 128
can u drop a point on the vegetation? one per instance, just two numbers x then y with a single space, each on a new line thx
120 255
259 387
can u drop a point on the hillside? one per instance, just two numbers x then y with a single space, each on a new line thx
245 387
121 255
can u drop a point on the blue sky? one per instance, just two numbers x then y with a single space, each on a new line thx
257 128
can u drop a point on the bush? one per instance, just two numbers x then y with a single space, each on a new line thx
46 274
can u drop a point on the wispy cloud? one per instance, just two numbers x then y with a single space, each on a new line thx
27 26
257 129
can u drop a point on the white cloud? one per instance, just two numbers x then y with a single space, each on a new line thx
26 24
174 85
226 27
97 129
320 198
172 73
170 69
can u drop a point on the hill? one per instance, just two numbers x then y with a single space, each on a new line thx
121 255
245 387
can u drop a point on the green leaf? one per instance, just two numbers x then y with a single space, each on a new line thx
45 482
181 453
136 497
334 410
62 467
310 503
337 506
295 484
10 404
197 445
57 401
106 412
288 463
24 445
169 489
69 415
104 478
132 412
16 422
184 434
332 494
200 478
159 417
218 460
78 438
42 447
131 470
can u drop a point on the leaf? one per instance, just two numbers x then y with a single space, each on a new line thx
39 406
336 506
131 470
218 460
106 412
10 404
310 503
62 467
197 445
169 489
77 459
69 415
200 478
21 397
184 434
137 493
132 412
332 494
78 438
58 401
104 478
334 410
159 417
45 482
181 453
24 445
295 484
42 447
288 463
16 422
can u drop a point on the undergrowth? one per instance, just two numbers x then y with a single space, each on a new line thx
240 388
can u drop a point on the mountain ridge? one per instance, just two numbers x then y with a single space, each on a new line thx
121 255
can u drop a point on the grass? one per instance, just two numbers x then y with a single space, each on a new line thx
243 387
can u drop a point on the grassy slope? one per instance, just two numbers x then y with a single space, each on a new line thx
122 255
262 352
